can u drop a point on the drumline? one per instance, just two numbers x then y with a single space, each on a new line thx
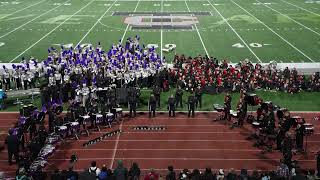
98 121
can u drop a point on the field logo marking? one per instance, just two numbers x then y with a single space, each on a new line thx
242 17
2 44
71 19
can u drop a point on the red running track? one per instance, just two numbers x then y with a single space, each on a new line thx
186 143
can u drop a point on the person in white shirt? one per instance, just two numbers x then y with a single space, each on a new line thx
94 168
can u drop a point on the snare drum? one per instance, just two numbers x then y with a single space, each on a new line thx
99 118
233 113
75 125
86 119
309 128
256 124
119 112
110 118
63 131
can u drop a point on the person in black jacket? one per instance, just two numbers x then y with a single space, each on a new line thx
132 102
152 106
157 94
171 174
198 95
13 146
178 96
191 105
134 172
171 106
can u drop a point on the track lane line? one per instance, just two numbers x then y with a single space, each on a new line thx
22 9
285 40
51 31
32 20
115 147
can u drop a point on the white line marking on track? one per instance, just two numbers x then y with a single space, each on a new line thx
235 31
94 25
116 146
274 32
51 31
301 8
125 31
204 47
292 19
22 9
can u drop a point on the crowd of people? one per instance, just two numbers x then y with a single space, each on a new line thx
93 172
209 72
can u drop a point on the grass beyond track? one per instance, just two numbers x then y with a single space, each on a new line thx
282 30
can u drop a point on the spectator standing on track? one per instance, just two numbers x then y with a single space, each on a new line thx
134 172
207 175
283 170
120 173
56 175
152 175
94 169
13 146
103 175
171 174
86 175
243 174
220 175
255 175
232 175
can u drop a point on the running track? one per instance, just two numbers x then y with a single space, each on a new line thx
186 143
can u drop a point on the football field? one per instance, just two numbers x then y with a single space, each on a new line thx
259 30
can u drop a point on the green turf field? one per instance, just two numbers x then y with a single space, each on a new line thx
260 30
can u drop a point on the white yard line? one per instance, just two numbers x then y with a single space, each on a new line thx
51 31
22 9
46 12
94 25
290 18
161 32
115 147
125 32
274 32
234 31
301 8
195 25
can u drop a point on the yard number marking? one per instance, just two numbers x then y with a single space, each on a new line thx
167 47
254 45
